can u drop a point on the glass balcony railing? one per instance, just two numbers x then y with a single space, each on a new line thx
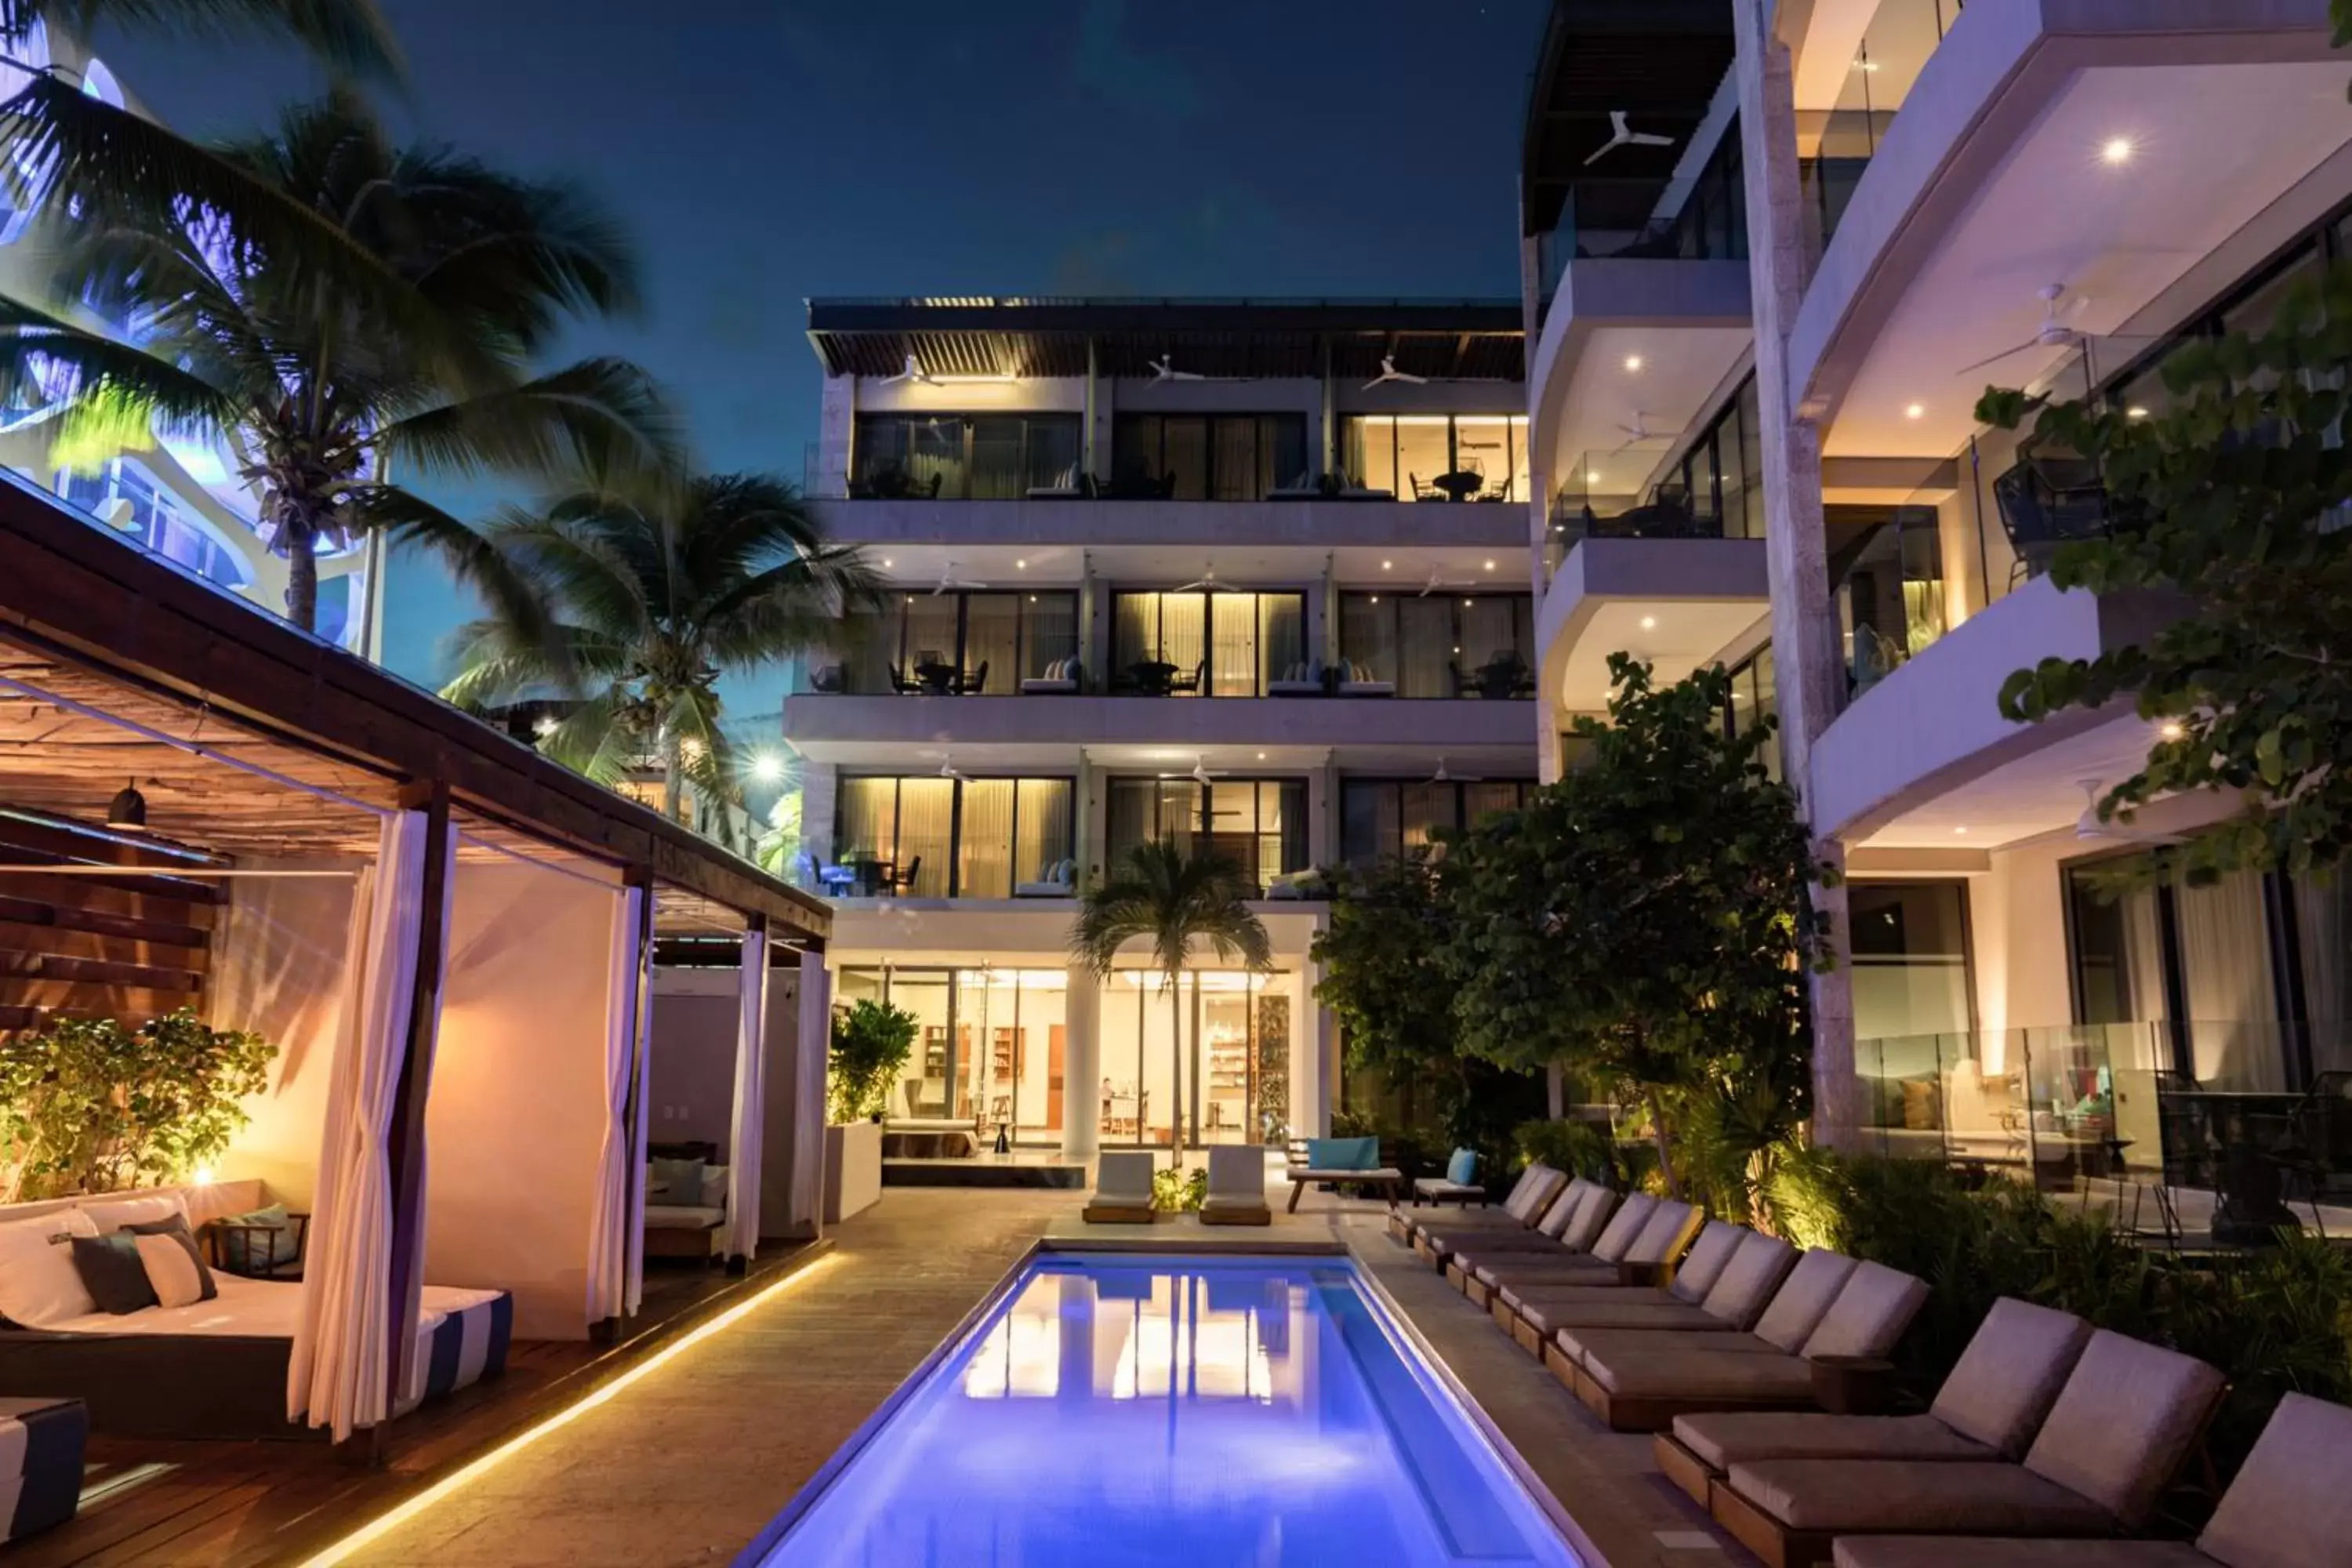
1638 219
954 645
1630 492
1837 143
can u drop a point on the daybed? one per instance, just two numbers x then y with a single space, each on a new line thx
696 1229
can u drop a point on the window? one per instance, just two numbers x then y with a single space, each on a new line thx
1723 472
1381 817
1407 454
1910 959
1211 457
997 640
125 497
1443 644
1259 825
989 1044
1754 700
1219 645
966 838
963 456
1886 568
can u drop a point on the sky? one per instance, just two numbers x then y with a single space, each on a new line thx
763 152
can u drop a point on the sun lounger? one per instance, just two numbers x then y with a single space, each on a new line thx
1669 1228
1639 1381
2127 1416
1988 1408
1722 1293
1236 1186
1538 1185
1122 1189
1593 1262
1441 1242
2290 1506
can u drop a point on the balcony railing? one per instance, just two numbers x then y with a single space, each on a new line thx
1837 144
1611 495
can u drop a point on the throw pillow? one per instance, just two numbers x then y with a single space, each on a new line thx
263 1249
1463 1169
38 1282
714 1187
1923 1108
176 1276
175 1228
677 1182
112 1274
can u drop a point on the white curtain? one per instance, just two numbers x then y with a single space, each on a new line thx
2226 977
750 1102
340 1373
812 1042
642 1023
608 1246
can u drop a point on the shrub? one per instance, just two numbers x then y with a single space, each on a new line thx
88 1106
1176 1191
871 1043
1579 1148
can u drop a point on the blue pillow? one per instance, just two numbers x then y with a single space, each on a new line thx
1463 1169
1343 1153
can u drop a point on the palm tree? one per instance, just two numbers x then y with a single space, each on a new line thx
348 35
641 603
327 306
1173 900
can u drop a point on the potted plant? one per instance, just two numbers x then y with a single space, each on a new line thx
871 1042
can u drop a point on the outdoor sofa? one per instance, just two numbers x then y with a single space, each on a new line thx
692 1230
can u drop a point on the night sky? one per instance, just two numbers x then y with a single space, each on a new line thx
765 152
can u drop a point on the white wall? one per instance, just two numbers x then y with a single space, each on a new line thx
515 1124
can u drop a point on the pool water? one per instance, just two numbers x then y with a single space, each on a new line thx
1134 1412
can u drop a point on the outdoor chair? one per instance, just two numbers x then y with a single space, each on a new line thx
2291 1505
1723 1287
2126 1418
1990 1407
904 881
1189 685
1659 1236
1592 1243
1800 1356
1236 1186
2046 500
974 682
1536 1186
1122 1189
1441 1238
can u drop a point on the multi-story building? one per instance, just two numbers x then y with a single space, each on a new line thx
183 500
1250 575
1773 254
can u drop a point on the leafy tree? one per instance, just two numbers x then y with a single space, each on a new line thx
87 1105
2229 491
1644 922
645 601
348 35
1161 895
871 1042
330 305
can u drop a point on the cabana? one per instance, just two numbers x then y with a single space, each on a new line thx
449 939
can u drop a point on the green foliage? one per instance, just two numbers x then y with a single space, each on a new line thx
2227 490
1178 1191
1646 922
349 37
781 839
87 1105
871 1042
1161 895
1579 1148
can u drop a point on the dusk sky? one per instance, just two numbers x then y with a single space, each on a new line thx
765 152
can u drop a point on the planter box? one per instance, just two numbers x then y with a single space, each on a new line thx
852 1169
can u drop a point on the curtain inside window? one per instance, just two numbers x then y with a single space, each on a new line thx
992 636
935 451
1490 798
865 819
1368 822
1184 452
925 831
873 637
1490 631
1426 807
1043 828
1135 630
1282 813
1281 451
2324 941
1049 633
1236 471
1428 655
1184 632
984 852
1134 806
1281 631
931 630
1233 662
1368 443
1368 633
2226 980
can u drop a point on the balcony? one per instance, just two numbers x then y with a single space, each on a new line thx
1368 522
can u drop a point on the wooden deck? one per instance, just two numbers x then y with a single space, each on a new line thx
247 1504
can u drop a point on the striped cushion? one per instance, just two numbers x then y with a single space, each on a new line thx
40 1463
466 1344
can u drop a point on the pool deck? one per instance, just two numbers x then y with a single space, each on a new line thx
686 1465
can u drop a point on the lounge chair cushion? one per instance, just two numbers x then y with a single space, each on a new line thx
1725 1437
1553 1217
1746 1283
1920 1496
1730 1374
1661 1235
1705 1261
1584 1226
1869 1315
2123 1423
1617 1236
1802 1300
1485 1243
1985 1552
1589 1345
1238 1175
1537 1269
2292 1502
2009 1374
1552 1293
1549 1317
1123 1178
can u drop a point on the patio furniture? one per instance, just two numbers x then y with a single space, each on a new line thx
937 677
1991 1404
1504 676
1664 1233
1441 1238
1722 1284
904 881
1062 678
1301 680
1236 1186
1336 1161
42 1440
1357 680
2128 1414
1152 676
2046 500
1067 485
2290 1504
972 683
1536 1186
900 684
1122 1189
1587 1230
1458 486
1059 882
1190 685
1456 1186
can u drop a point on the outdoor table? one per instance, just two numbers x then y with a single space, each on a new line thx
1152 678
939 679
1499 680
1460 485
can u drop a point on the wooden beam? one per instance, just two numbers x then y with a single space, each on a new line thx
405 1142
87 998
19 966
64 941
81 907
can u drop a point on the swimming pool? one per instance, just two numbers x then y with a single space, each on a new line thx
1131 1412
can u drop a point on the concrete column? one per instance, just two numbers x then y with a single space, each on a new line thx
1081 1065
1314 1059
819 809
1810 675
828 474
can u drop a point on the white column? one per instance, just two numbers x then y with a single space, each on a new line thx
1314 1058
805 1210
1081 1065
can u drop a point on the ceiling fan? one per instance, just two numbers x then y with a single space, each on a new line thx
2053 333
1389 372
1441 777
1206 583
947 579
1436 582
1164 369
1636 433
1623 135
2089 827
914 371
1202 773
948 769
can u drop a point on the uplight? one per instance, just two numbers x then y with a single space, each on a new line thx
2117 151
2134 413
2171 729
885 561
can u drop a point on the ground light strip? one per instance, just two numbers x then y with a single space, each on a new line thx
385 1524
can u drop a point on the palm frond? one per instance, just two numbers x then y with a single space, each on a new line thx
515 598
521 254
1172 900
597 738
347 35
43 356
604 415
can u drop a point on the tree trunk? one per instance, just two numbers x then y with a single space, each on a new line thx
301 572
673 778
1665 1146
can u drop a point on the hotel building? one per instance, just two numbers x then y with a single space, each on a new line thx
1772 254
1248 574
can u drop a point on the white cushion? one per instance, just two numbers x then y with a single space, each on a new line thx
38 1282
171 1270
714 1186
110 1215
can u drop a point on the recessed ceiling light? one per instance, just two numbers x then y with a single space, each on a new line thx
1917 410
1261 756
885 561
1960 830
1022 565
1633 361
2117 151
1386 564
1376 598
1649 623
1465 604
1490 566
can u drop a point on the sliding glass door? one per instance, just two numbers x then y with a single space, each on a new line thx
1219 645
1232 1031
